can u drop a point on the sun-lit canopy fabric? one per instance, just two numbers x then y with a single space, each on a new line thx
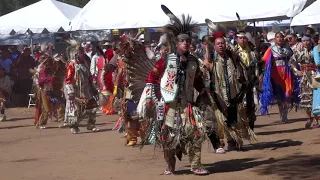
310 15
45 14
101 14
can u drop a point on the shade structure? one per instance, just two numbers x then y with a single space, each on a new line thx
102 14
22 39
310 15
46 14
285 22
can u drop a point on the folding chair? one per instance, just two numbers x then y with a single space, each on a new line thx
32 98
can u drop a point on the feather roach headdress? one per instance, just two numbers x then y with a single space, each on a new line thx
241 25
72 48
177 28
216 30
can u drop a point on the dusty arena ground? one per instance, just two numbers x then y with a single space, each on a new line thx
284 152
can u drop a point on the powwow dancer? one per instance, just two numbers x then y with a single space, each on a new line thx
227 91
178 74
80 91
304 67
128 73
249 58
215 130
49 76
278 81
105 77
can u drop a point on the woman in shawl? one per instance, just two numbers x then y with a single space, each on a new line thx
305 63
278 82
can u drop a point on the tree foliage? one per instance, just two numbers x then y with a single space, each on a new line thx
7 6
79 3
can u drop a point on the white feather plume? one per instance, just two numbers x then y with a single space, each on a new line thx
215 27
149 53
72 42
163 39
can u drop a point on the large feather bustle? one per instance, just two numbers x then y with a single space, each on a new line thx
52 63
139 63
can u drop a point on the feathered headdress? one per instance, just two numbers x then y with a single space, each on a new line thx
177 28
241 25
72 48
213 28
216 30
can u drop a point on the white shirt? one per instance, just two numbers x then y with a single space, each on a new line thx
89 54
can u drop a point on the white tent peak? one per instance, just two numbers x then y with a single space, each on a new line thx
67 10
49 14
310 15
132 15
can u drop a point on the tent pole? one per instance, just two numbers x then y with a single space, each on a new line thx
31 42
254 30
291 29
146 34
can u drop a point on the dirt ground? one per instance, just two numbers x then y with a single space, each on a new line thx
284 152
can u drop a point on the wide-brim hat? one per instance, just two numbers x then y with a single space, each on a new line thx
271 35
311 28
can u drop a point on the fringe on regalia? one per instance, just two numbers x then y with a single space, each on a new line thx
267 96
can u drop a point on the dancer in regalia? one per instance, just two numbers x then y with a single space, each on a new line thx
278 81
228 93
304 66
177 73
249 58
50 75
106 67
80 92
215 129
127 77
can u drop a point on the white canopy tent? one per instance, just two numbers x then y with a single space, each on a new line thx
310 15
146 13
46 14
